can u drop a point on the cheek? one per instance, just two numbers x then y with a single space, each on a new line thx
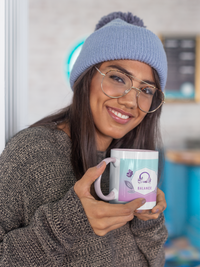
94 103
138 121
142 116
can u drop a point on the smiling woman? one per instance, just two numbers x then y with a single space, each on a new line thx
110 114
50 210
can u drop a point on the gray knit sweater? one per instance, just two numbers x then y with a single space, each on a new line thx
42 221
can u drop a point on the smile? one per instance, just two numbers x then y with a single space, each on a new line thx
119 115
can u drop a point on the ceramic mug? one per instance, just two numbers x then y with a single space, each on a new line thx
133 174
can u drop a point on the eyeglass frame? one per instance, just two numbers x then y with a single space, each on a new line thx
128 90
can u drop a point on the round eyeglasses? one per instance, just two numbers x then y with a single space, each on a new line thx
116 84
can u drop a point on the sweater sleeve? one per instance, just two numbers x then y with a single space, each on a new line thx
40 214
51 232
150 237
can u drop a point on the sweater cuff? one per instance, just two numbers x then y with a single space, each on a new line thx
150 227
70 218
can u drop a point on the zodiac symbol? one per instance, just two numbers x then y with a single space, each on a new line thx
144 178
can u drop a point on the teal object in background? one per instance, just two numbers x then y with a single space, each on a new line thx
175 188
181 185
193 227
72 56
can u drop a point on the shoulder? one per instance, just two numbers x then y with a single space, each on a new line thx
37 133
35 168
36 140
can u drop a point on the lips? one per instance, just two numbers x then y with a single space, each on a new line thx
119 115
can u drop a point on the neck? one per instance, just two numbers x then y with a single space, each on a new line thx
64 127
103 143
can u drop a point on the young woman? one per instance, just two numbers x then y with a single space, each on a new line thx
50 215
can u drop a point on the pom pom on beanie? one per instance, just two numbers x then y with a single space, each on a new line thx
128 17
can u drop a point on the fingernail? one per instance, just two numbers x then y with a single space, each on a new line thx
100 164
157 210
138 211
143 201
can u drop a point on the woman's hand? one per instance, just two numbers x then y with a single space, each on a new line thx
103 217
161 205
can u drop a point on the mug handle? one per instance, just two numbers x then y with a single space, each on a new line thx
97 185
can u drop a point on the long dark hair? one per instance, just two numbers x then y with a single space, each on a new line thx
82 129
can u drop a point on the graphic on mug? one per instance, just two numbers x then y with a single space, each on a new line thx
144 181
141 182
129 173
144 178
129 184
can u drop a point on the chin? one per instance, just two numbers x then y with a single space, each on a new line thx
118 135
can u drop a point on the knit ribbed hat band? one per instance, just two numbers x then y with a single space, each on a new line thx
121 40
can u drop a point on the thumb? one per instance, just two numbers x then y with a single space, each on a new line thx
93 173
136 203
82 186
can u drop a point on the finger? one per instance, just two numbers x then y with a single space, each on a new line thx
160 196
106 223
147 216
104 209
105 231
160 207
136 203
143 212
101 209
113 210
142 217
161 203
139 211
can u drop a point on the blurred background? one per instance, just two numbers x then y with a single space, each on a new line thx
55 28
43 38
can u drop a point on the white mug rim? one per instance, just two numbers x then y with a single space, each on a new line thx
134 150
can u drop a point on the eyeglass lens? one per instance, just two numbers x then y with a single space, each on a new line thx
116 84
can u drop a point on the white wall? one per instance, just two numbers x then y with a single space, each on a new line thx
13 68
54 26
2 75
16 64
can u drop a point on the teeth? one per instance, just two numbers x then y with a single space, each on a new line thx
118 114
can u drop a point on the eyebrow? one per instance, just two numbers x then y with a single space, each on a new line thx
120 68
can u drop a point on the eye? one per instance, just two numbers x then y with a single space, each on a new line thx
148 90
117 79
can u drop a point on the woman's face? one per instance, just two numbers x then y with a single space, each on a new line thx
108 112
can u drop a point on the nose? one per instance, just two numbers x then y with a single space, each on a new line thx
130 99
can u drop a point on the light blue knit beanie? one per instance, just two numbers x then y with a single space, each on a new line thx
116 39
